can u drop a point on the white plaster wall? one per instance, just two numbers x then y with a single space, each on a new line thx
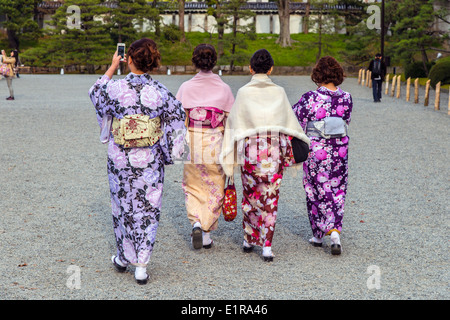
262 24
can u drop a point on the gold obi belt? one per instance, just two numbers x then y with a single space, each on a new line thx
136 130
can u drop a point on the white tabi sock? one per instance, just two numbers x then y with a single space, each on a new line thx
247 245
140 273
206 238
197 224
118 261
315 240
267 252
335 239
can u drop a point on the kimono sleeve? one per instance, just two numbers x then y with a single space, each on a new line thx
301 110
348 106
179 95
100 98
173 143
229 99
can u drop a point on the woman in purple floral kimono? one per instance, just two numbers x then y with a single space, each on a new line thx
136 174
325 171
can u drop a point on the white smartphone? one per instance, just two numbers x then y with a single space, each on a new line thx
121 50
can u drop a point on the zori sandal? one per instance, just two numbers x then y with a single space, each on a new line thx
197 238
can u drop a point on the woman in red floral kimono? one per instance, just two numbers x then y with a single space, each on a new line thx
263 146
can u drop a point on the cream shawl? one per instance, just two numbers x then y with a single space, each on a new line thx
261 107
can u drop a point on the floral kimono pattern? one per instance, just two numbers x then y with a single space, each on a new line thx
326 169
203 177
207 101
265 158
136 175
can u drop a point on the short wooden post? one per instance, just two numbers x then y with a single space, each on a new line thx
448 112
394 78
416 90
363 73
387 85
359 76
408 88
370 79
367 78
427 93
437 99
398 86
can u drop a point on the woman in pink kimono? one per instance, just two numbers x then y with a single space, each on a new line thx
259 127
207 100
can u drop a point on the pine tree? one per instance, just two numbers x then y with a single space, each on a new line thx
414 32
19 20
231 15
240 30
216 8
80 36
126 16
323 21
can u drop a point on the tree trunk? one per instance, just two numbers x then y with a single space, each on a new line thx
221 21
319 42
233 48
305 22
220 33
90 68
157 21
284 15
181 19
424 60
13 40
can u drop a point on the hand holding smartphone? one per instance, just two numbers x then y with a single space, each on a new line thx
121 51
119 56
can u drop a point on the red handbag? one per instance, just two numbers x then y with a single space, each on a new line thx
230 201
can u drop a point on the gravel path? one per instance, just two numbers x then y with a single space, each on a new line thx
56 224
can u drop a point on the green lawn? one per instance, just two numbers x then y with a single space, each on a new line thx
302 52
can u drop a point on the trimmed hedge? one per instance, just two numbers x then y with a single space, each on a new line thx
416 69
440 72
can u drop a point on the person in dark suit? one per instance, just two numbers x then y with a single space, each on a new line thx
378 69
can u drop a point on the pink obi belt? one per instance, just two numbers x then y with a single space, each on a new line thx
206 117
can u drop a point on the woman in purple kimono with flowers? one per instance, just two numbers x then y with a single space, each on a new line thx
328 108
136 174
